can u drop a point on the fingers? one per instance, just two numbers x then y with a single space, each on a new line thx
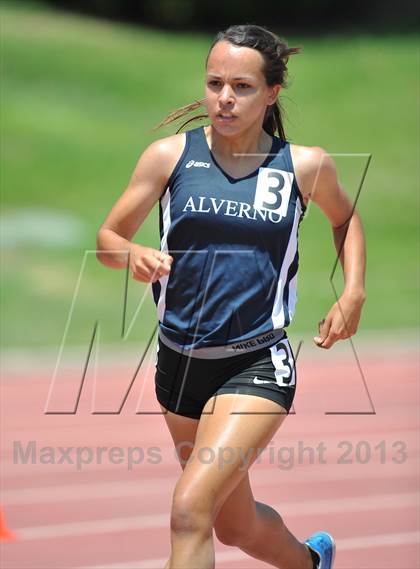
326 336
151 266
159 265
329 340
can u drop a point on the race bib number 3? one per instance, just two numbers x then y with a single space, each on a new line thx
273 190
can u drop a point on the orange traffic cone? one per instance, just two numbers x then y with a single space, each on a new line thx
5 533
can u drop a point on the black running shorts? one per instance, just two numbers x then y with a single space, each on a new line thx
184 384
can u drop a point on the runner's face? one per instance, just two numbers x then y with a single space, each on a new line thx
236 87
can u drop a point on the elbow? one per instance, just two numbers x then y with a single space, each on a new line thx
99 257
99 246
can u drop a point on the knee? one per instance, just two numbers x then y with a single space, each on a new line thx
190 513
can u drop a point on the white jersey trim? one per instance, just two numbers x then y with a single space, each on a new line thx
165 203
277 314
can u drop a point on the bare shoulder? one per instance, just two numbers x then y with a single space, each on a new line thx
165 153
311 164
155 166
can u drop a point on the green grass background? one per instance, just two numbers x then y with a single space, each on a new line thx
79 100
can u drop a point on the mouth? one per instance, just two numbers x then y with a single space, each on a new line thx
225 117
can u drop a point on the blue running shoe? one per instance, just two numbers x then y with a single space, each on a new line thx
322 543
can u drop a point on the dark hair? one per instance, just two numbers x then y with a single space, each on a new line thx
275 52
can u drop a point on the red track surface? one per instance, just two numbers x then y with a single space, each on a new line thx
106 515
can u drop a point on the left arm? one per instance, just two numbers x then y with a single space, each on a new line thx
320 183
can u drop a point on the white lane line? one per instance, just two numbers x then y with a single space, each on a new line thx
260 477
343 544
229 555
92 527
136 488
383 540
92 491
288 509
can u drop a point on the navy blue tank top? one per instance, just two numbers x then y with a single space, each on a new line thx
234 243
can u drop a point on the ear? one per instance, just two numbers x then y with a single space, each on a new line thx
274 91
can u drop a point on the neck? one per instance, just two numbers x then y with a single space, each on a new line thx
251 141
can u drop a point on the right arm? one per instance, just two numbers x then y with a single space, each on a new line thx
148 181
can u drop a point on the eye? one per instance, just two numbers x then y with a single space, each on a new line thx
214 82
243 85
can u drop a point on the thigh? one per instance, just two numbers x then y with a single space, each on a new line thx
183 431
238 510
225 446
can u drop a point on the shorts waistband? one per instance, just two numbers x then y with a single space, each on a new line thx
228 350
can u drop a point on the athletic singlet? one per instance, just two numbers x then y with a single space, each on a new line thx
234 243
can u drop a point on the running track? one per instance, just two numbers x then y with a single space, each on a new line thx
107 516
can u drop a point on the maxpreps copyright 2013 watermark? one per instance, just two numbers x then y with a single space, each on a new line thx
343 452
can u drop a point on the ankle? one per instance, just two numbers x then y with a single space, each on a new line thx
314 558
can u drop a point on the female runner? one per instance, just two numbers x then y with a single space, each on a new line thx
231 197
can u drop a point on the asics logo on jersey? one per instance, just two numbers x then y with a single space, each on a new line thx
191 163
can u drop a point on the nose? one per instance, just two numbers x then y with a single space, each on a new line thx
226 95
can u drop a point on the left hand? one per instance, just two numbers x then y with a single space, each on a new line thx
341 321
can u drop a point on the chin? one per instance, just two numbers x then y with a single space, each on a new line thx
226 127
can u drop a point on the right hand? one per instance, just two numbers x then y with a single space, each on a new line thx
147 264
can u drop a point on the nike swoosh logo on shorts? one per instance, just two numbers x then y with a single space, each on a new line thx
256 380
